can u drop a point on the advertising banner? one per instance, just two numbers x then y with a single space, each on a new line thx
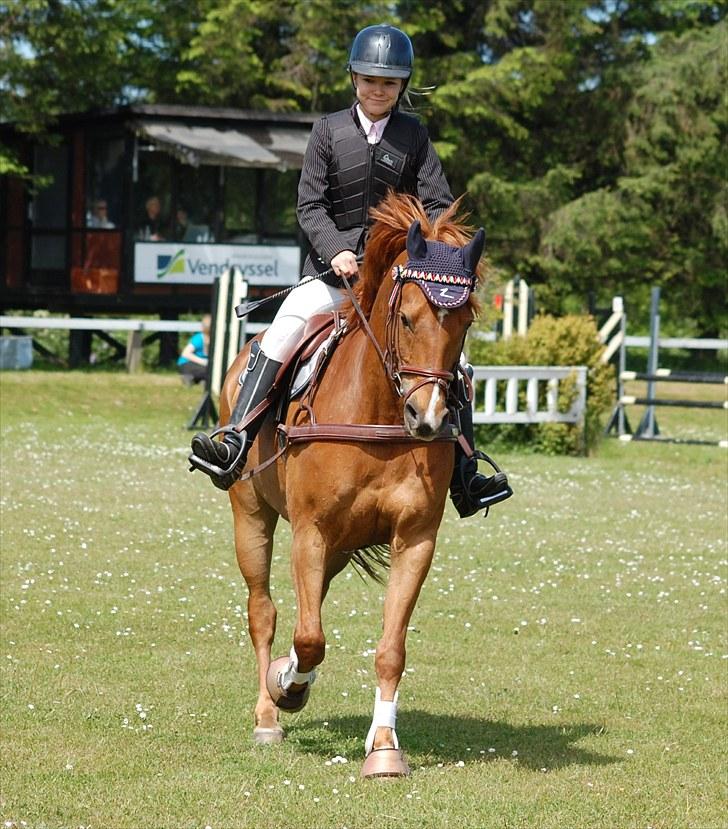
182 263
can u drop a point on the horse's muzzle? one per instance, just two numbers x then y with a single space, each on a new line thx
424 424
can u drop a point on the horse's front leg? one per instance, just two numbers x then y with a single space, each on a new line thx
290 677
255 523
410 564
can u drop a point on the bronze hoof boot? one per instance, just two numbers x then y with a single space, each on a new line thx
290 701
383 763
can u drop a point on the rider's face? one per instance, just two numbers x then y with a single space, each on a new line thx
377 96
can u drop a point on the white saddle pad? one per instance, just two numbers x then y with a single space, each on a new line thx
305 371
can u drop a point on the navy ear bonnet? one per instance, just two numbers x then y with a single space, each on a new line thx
445 274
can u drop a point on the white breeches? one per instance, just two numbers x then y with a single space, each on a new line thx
298 307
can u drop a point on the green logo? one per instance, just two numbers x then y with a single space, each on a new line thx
171 264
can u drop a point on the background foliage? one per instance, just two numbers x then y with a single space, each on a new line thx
569 340
588 134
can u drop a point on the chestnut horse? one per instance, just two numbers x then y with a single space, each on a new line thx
344 495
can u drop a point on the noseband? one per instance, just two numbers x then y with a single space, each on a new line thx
393 363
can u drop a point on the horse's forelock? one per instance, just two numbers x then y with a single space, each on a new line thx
393 217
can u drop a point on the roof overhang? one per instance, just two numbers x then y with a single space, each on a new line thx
279 147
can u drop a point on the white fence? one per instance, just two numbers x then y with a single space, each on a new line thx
488 380
614 336
135 328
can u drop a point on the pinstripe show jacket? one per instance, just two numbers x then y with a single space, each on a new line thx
343 176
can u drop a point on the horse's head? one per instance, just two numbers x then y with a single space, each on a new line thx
429 316
417 291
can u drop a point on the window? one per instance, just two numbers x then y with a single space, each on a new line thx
153 196
196 195
51 203
241 187
260 205
104 183
279 197
49 209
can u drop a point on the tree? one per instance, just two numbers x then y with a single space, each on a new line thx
274 54
58 56
664 220
542 129
586 134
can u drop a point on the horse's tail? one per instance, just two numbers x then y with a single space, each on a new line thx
371 561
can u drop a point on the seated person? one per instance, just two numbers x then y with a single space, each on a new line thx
99 215
184 231
181 225
151 228
192 362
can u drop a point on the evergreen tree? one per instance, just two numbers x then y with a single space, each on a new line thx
587 135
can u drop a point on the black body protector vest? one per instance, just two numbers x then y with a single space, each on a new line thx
361 173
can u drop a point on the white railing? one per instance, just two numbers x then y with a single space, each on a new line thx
110 324
689 343
135 329
487 408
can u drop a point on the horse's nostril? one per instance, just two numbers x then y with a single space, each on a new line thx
411 411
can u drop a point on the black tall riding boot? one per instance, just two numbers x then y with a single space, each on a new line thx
224 460
470 490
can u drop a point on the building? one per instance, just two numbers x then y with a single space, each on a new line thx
146 204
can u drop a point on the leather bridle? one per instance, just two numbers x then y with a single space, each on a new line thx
389 357
394 369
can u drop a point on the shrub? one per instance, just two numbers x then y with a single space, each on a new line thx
571 340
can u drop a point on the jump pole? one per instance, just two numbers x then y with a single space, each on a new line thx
648 427
613 343
227 336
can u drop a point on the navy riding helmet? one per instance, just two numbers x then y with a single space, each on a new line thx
382 51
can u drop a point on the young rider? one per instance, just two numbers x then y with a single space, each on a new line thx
353 158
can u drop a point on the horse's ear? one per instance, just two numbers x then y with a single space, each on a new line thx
416 245
473 251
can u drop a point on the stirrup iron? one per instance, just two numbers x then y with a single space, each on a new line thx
223 477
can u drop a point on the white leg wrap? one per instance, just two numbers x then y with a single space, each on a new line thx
385 716
291 676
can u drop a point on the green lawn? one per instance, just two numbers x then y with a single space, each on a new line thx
567 665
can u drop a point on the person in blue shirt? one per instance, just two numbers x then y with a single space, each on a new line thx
192 362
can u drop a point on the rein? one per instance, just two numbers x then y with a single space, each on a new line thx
366 432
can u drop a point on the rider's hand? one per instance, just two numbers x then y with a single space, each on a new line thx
345 264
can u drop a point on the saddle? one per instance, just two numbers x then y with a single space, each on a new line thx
302 368
320 338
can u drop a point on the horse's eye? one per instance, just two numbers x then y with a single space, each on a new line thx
405 321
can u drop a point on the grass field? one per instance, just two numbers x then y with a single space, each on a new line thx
567 665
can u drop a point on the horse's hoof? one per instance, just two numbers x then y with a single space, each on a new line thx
290 701
383 763
268 736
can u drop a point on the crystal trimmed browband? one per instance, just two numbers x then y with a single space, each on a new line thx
400 272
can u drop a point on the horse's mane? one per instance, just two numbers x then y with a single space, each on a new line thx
388 239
